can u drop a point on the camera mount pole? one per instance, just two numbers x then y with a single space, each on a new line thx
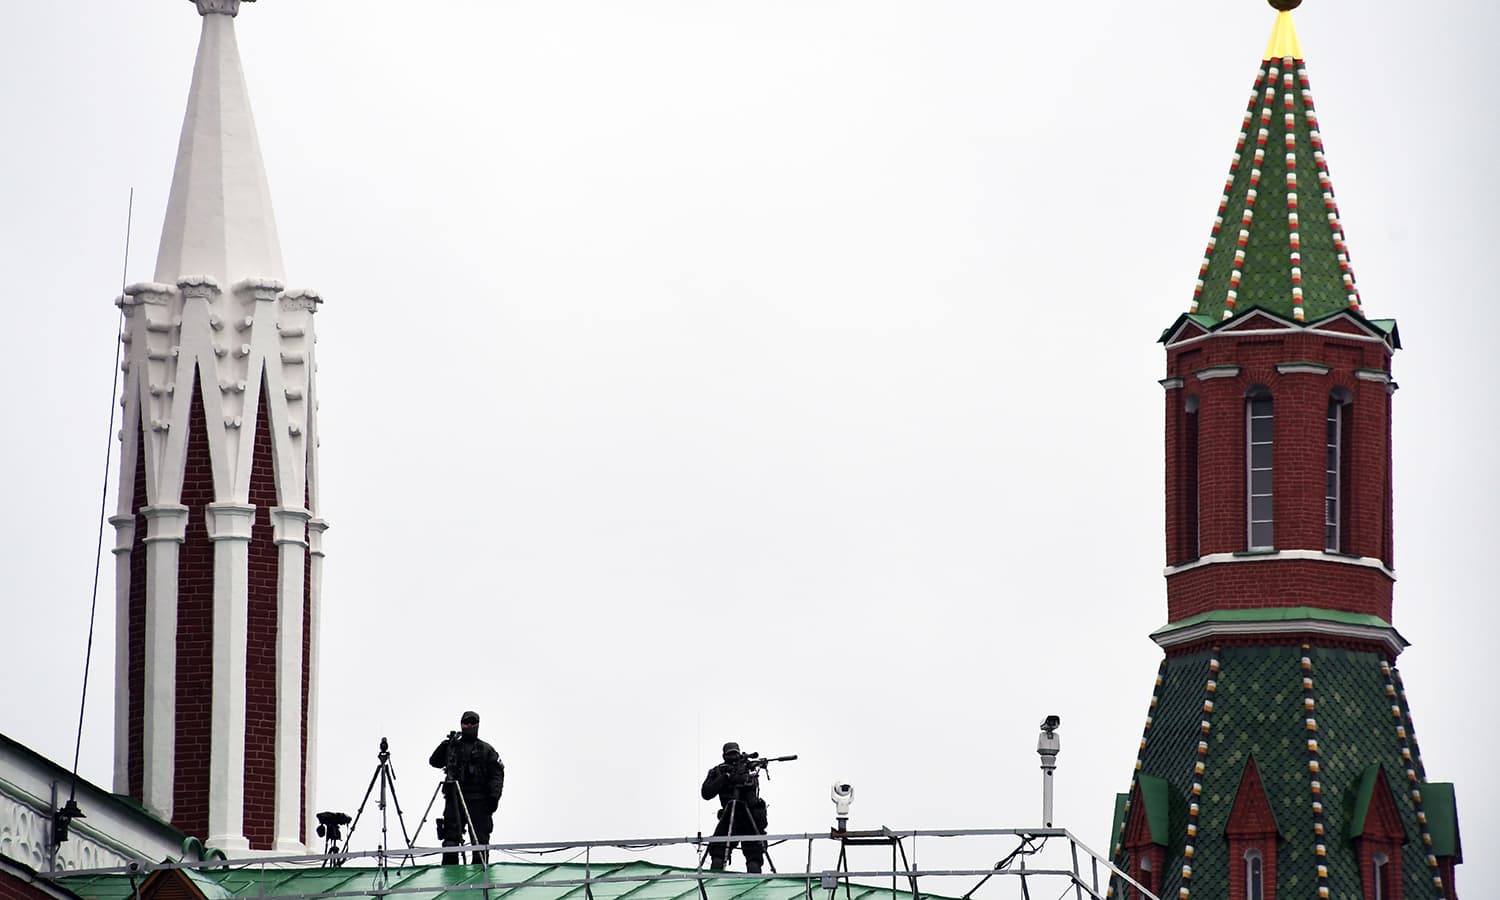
385 774
1047 747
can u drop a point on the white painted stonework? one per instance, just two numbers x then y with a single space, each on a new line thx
110 834
217 317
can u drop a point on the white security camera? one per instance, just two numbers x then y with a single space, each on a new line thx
842 794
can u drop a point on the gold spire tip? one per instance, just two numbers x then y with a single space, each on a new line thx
1284 43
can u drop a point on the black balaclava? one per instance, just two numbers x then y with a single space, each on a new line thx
469 725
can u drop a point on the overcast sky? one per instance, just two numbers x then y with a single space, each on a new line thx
774 371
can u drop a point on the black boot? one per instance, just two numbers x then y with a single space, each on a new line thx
717 865
752 866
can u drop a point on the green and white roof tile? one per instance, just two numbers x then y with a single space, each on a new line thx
1277 241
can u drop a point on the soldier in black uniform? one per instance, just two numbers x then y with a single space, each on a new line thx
475 769
741 811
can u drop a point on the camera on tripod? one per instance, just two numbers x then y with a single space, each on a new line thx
329 824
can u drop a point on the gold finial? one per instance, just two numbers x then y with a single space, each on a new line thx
1284 43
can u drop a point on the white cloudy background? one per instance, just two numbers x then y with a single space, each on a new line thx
774 371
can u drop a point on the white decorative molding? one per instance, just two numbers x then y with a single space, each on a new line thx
1303 368
25 832
1375 375
1216 559
1212 372
1258 332
229 521
301 298
1383 634
259 288
1173 383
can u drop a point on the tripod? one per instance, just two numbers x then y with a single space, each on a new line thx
729 813
451 832
385 774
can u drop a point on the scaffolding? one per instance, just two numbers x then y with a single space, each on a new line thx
1031 864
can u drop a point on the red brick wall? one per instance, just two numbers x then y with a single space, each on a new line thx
306 672
1251 826
260 656
1206 483
1279 583
136 665
195 623
13 888
1301 405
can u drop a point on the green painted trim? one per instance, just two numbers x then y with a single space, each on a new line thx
1287 614
1157 794
1119 820
1363 795
1441 807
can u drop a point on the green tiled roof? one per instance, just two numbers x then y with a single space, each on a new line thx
1255 702
509 881
1277 242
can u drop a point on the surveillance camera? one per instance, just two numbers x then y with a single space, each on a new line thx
842 794
133 867
1050 723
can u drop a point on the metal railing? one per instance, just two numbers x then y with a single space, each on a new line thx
1032 863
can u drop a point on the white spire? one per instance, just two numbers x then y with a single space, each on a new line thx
219 221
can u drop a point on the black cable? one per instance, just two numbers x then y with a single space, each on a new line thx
109 449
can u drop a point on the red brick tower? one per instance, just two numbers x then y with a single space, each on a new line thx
218 543
1279 758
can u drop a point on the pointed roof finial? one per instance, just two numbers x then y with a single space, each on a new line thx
1277 241
1284 43
219 221
222 7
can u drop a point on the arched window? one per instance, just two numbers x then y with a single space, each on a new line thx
1255 876
1258 476
1147 878
1335 465
1189 487
1383 877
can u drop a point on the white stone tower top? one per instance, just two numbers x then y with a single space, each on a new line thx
219 221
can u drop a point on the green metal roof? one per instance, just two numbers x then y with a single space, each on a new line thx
1364 796
1277 242
1442 819
508 880
1274 614
1157 795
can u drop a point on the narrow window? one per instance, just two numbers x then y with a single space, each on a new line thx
1255 877
1190 520
1258 434
1335 467
1383 877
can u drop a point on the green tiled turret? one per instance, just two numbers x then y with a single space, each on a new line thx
1278 759
1277 242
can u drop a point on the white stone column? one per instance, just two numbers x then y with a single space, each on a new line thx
166 529
315 529
289 526
229 527
124 539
